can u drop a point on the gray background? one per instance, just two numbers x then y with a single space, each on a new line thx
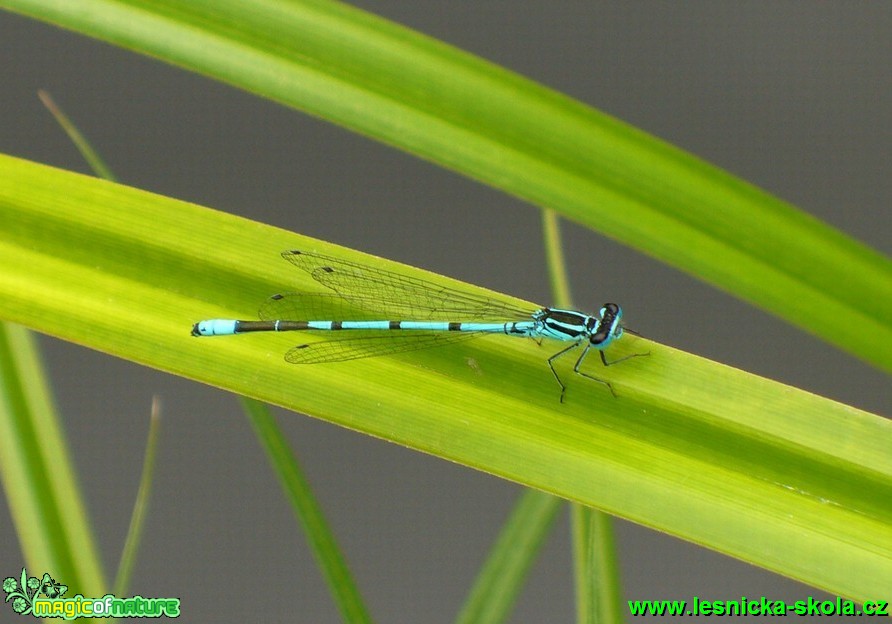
794 97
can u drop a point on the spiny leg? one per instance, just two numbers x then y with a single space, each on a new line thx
592 377
606 363
554 372
579 363
622 359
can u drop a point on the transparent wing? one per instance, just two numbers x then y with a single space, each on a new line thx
354 347
398 296
299 306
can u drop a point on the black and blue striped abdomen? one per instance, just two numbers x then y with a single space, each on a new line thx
226 327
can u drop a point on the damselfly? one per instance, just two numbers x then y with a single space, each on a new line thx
393 313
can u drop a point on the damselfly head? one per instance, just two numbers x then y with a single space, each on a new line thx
609 327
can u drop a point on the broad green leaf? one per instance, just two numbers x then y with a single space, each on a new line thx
749 467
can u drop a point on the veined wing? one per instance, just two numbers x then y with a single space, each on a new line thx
398 296
300 306
354 347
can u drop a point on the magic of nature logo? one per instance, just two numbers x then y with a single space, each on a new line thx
45 598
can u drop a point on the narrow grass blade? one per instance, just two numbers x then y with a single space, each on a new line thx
141 506
80 141
520 540
38 475
500 580
561 293
308 512
594 551
598 591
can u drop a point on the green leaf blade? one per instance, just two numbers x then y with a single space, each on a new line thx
749 467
